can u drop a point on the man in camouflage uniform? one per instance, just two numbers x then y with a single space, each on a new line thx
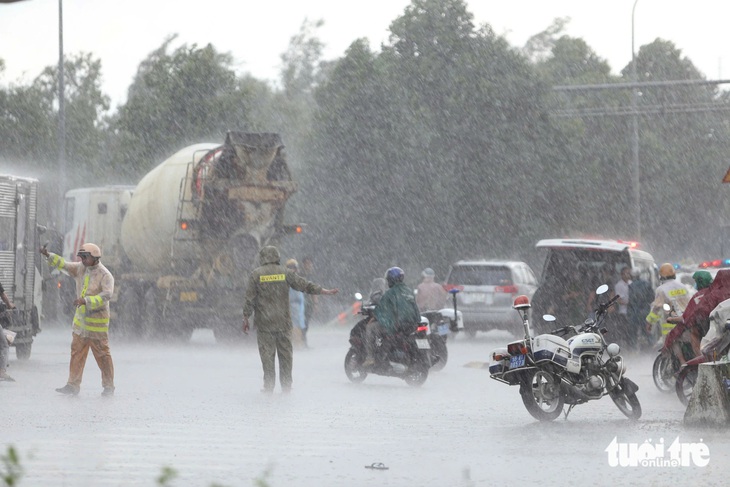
267 298
94 287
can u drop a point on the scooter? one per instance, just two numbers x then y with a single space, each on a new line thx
406 354
715 348
440 323
666 366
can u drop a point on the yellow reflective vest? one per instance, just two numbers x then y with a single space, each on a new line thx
673 293
96 285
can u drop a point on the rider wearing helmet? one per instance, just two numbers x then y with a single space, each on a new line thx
671 292
397 308
692 326
430 295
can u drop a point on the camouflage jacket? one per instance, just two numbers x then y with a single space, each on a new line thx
267 293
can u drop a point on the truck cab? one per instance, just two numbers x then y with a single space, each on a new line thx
93 215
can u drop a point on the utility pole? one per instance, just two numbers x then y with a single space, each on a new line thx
61 121
635 128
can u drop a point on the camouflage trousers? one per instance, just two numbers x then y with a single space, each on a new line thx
271 343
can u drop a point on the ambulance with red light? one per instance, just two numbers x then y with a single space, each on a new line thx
583 263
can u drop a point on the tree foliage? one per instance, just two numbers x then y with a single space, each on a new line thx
179 97
445 143
29 117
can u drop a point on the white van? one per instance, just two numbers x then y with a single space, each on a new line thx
583 264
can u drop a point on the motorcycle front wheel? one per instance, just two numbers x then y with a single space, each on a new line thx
664 370
541 395
353 366
439 350
626 401
686 381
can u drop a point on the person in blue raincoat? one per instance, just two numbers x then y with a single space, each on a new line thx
297 308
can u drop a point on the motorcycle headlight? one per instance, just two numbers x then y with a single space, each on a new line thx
613 349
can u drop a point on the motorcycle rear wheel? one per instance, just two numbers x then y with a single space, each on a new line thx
541 394
664 370
438 349
625 401
686 381
353 366
416 375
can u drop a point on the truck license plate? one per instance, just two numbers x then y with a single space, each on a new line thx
517 361
188 296
422 343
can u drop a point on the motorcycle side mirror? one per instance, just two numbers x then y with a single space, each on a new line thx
602 289
549 318
358 296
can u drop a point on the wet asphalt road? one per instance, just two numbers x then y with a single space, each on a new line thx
196 408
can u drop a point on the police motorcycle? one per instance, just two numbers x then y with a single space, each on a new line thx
565 366
440 323
406 354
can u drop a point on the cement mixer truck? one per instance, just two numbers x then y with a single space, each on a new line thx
189 234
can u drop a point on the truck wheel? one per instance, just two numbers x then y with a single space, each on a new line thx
127 324
22 350
151 319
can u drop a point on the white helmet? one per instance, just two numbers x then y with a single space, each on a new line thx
89 249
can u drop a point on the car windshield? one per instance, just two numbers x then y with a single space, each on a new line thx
479 275
591 265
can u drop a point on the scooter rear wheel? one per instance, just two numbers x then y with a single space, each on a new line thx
664 371
353 366
686 381
416 375
438 349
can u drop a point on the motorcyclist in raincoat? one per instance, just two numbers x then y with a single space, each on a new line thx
396 308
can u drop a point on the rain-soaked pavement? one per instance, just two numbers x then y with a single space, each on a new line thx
197 409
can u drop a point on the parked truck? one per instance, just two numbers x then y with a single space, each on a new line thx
188 234
19 259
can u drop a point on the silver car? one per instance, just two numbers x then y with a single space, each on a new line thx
487 291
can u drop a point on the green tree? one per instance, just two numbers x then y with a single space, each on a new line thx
86 108
594 144
684 140
428 143
29 117
191 94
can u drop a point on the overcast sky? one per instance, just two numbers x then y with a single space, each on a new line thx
122 33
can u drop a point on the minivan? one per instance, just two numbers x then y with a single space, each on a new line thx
487 289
